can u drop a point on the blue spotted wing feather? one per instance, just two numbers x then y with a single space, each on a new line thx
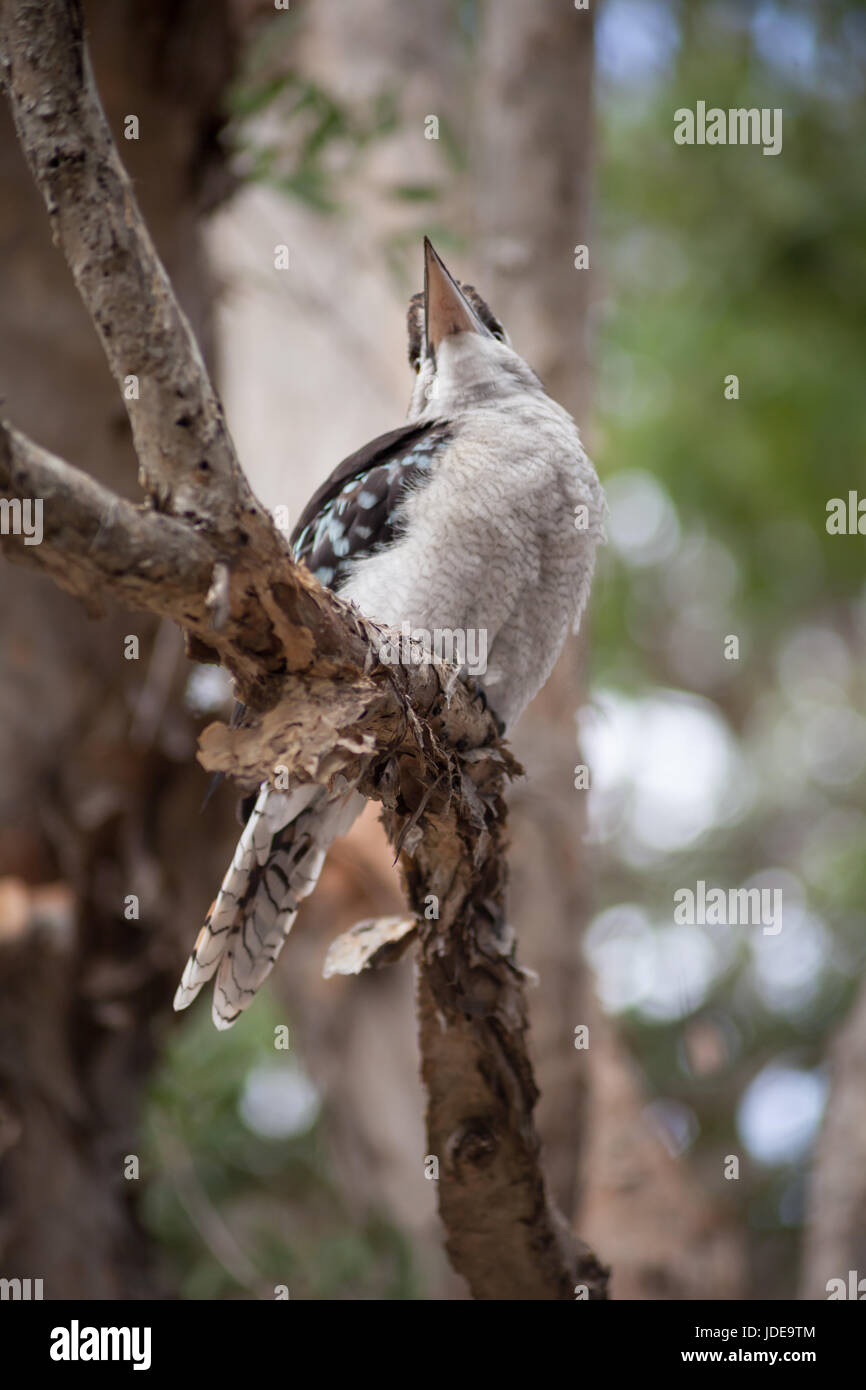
356 511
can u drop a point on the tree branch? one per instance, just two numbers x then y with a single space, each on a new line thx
98 546
323 703
181 440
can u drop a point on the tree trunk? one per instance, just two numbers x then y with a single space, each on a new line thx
100 797
646 1209
836 1222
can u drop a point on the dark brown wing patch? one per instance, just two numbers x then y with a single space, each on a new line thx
356 511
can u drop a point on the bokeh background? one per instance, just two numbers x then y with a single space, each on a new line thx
257 1167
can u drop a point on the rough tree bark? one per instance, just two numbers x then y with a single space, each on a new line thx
205 554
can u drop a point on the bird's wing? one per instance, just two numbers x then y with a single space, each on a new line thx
353 512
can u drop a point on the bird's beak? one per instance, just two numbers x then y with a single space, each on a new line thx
446 308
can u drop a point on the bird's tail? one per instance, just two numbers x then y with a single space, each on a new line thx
277 863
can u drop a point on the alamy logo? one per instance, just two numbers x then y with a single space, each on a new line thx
846 518
465 648
735 907
75 1343
19 518
738 126
855 1287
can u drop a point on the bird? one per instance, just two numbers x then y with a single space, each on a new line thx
481 513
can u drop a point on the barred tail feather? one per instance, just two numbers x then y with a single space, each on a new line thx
276 864
271 811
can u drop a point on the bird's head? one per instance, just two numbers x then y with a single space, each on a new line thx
460 351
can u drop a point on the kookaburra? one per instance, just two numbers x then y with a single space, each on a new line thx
480 515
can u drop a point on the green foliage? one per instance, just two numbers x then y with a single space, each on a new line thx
725 260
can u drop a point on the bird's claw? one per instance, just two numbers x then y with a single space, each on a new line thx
479 693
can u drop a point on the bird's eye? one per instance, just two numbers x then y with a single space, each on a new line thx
498 333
